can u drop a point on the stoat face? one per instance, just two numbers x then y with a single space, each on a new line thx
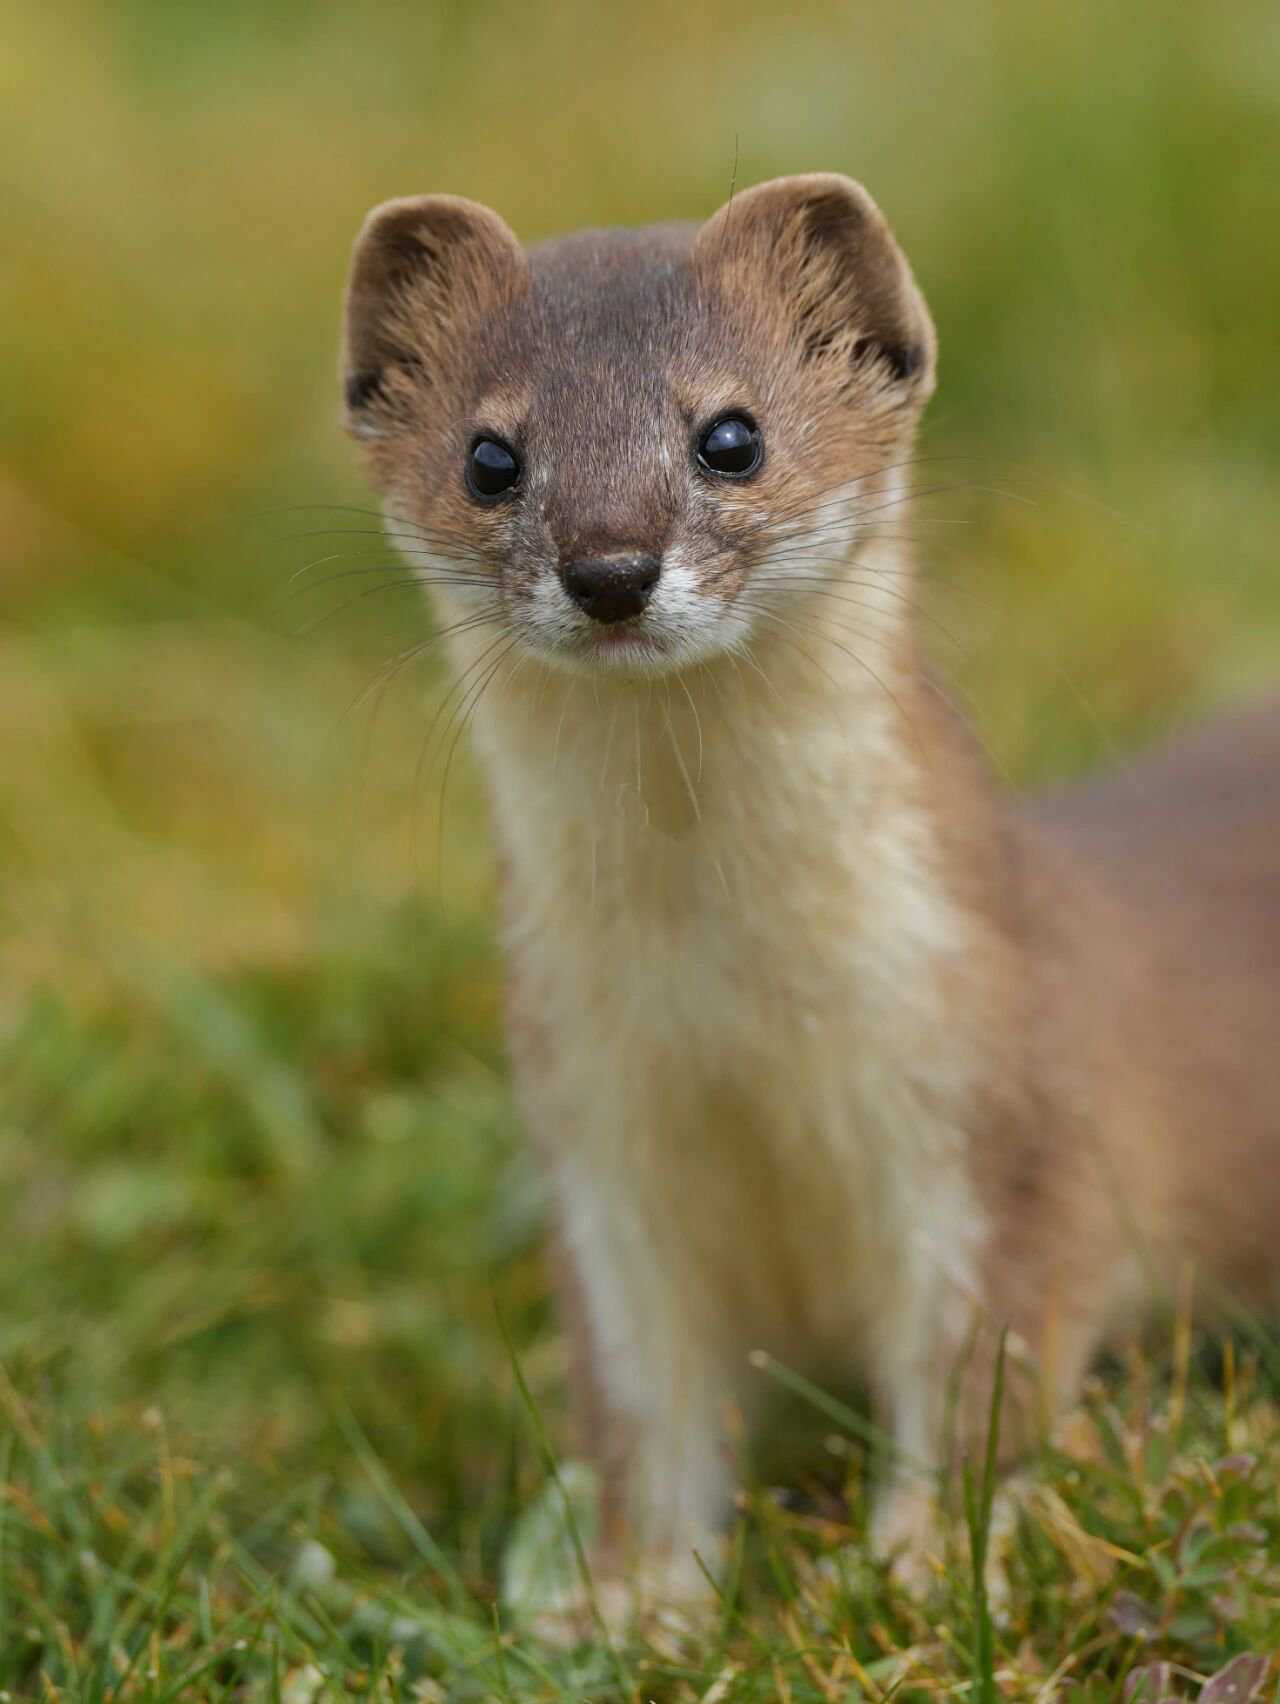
632 449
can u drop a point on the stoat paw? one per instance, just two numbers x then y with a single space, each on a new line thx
655 1602
907 1533
625 1593
577 1616
1007 1505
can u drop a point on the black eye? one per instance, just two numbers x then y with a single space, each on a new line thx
731 446
492 468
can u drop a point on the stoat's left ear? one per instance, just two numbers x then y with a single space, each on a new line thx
820 251
425 271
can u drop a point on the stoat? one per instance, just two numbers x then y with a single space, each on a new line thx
829 1049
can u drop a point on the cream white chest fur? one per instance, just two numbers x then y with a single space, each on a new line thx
729 931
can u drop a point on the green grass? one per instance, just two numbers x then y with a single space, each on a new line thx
263 1199
133 1568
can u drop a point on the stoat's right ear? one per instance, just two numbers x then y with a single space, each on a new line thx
425 272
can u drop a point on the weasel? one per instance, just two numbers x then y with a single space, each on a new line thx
830 1050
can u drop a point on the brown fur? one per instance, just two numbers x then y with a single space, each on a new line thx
1133 978
1108 956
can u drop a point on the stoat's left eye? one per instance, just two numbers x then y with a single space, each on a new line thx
492 468
731 446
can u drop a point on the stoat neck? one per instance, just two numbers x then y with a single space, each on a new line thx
792 778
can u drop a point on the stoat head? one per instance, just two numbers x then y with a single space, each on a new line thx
633 448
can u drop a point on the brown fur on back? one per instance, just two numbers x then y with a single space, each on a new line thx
1186 842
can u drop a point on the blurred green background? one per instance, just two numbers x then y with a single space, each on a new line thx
257 1155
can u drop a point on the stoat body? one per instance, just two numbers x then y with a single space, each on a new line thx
829 1050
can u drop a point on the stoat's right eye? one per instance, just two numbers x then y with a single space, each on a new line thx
492 469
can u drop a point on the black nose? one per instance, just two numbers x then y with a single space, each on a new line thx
612 588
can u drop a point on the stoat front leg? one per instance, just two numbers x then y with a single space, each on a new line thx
653 1373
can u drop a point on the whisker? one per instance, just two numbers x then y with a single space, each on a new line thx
387 673
467 710
749 656
897 499
1082 700
334 556
450 543
840 490
461 683
710 673
564 711
861 662
321 509
789 636
845 491
784 528
359 597
608 747
420 577
817 585
697 720
853 628
635 719
859 632
786 546
992 755
678 752
930 579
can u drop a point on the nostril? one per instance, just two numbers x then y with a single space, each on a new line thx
580 580
612 588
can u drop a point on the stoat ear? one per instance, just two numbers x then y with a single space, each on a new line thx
819 250
425 271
